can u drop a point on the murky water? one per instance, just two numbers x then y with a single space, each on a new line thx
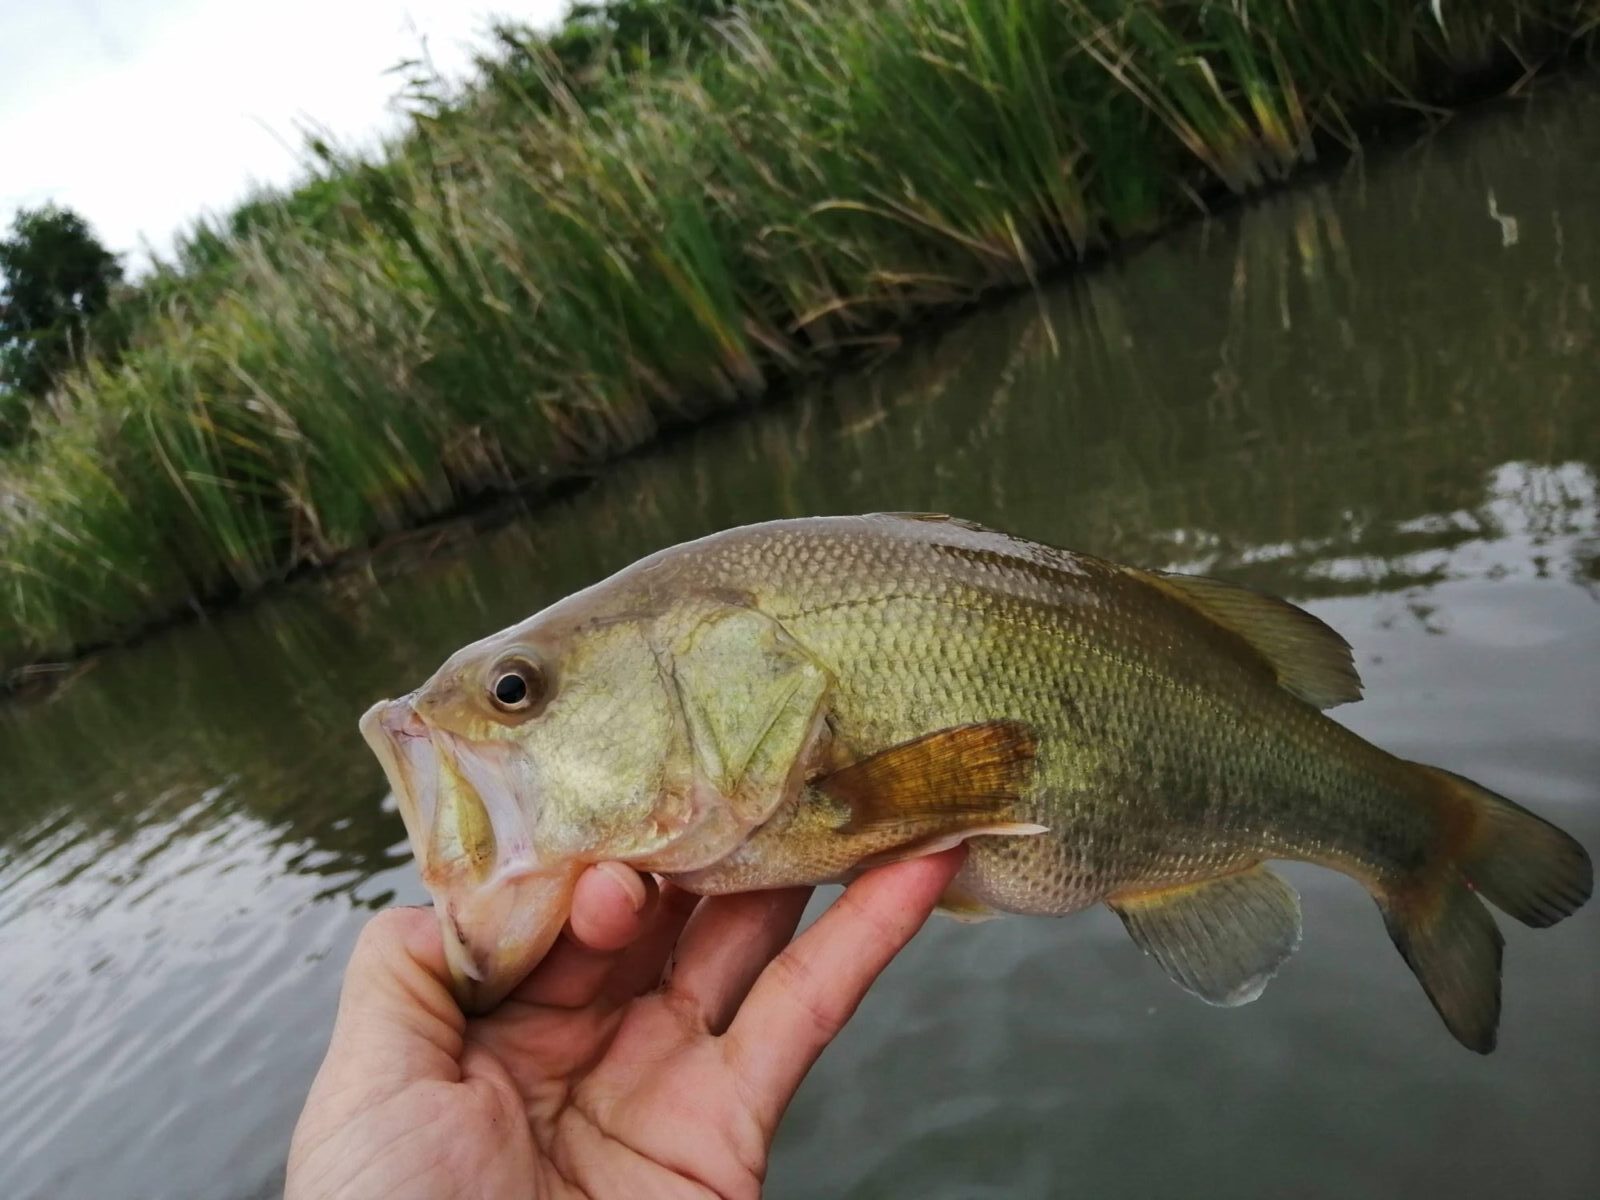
1374 395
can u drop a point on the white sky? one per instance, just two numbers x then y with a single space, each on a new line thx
141 114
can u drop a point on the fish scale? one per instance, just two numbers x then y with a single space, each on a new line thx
1021 637
793 702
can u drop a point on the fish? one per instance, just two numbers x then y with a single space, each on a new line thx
798 701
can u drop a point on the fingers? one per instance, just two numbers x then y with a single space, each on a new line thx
641 968
725 947
396 1015
803 999
397 1026
611 906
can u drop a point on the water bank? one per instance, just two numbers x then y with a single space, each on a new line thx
517 299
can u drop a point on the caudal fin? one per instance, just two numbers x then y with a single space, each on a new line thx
1520 863
1499 850
1451 944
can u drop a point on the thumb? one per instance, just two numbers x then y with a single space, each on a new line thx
397 1022
397 1025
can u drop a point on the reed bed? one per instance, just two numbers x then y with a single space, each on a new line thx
522 291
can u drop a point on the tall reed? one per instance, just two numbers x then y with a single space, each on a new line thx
509 300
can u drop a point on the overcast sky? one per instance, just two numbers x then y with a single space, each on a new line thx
141 114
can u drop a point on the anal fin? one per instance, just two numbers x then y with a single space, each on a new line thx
1221 938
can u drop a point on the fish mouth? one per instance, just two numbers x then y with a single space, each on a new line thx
500 906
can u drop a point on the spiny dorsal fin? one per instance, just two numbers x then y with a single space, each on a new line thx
933 518
1306 657
957 778
1221 938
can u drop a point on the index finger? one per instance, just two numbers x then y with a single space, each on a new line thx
807 993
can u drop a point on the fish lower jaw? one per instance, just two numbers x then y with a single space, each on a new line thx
496 930
464 970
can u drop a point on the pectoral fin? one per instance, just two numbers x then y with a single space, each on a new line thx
1221 938
956 778
913 799
935 792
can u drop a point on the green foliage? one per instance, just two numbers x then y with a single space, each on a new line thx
55 278
551 266
596 39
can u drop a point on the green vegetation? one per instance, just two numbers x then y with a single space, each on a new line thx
555 264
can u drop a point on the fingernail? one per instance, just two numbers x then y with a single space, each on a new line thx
628 879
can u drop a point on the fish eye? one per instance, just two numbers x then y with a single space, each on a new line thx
516 685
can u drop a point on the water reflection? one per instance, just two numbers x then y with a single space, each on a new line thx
1361 393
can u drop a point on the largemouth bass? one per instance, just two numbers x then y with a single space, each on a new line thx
791 703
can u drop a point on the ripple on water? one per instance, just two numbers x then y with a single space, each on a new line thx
153 972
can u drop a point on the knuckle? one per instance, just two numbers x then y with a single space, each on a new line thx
687 1008
388 931
821 1013
883 934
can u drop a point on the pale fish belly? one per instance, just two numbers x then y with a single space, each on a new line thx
1032 876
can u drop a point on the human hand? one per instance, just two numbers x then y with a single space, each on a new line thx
595 1078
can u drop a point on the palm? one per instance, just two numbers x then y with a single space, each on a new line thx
595 1078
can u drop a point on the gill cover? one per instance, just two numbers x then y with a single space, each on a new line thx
752 703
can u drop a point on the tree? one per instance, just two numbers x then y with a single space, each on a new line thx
55 279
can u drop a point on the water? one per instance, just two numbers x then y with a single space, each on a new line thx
1370 394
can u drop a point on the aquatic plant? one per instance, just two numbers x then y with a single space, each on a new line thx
521 291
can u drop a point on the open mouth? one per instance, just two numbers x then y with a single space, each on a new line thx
499 906
400 740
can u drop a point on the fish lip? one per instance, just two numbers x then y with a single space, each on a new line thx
495 922
386 727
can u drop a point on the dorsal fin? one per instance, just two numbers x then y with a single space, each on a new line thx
1308 658
933 518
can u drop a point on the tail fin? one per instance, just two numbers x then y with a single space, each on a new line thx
1450 942
1519 862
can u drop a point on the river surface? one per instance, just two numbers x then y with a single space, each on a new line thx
1377 393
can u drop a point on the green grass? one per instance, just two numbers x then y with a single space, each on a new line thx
524 290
